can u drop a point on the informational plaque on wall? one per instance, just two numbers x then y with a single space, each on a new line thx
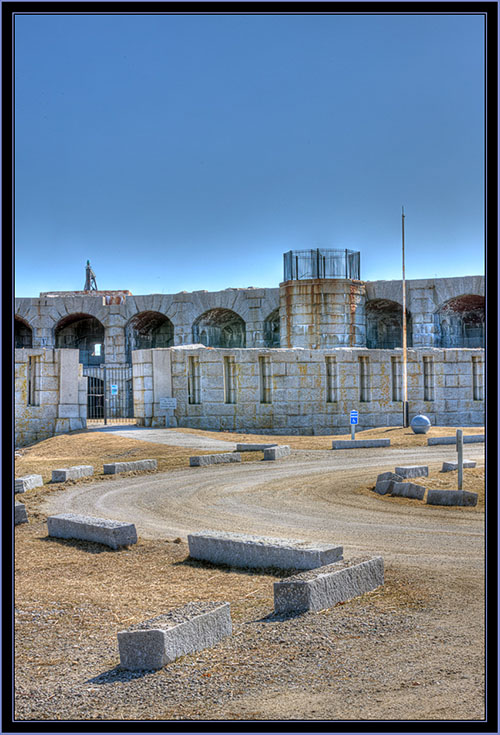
168 403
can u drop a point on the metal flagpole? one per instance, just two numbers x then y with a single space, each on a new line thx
405 371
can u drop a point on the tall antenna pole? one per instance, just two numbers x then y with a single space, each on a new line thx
405 370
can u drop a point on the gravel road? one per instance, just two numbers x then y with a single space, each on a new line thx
310 495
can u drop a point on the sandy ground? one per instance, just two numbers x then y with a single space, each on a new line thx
413 649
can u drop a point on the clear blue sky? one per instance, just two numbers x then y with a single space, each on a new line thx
189 152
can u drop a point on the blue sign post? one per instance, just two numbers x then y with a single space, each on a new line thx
354 421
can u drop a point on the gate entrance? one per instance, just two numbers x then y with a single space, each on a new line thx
109 395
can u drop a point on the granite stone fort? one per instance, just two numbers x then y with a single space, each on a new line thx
288 360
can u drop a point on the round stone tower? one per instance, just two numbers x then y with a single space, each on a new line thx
322 300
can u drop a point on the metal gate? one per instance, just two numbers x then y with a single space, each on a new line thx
109 394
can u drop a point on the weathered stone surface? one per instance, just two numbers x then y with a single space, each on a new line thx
328 585
468 439
254 447
388 476
20 514
451 497
247 551
88 528
385 482
140 465
203 460
408 490
72 473
27 482
384 486
450 466
360 443
412 471
277 452
156 642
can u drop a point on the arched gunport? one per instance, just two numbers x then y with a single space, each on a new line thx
23 334
460 322
219 328
84 333
147 330
384 325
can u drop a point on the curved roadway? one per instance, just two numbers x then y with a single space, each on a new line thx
312 495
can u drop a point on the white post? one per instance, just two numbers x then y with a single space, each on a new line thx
353 428
405 369
460 451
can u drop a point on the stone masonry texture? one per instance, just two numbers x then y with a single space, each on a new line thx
20 514
241 550
156 642
140 465
28 482
451 497
88 528
450 466
412 471
277 452
312 333
408 490
253 447
72 473
204 460
360 443
328 585
467 439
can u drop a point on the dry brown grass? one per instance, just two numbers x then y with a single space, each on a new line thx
400 437
98 448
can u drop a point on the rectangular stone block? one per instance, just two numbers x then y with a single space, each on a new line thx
88 528
412 471
360 443
385 481
408 490
160 640
204 460
450 466
27 482
328 585
277 452
468 439
72 473
242 550
140 465
254 447
20 514
451 497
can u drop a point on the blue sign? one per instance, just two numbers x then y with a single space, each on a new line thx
354 417
114 390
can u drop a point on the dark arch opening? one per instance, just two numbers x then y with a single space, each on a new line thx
219 328
23 334
384 325
84 333
148 330
272 329
460 322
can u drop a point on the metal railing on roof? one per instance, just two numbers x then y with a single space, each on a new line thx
318 263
